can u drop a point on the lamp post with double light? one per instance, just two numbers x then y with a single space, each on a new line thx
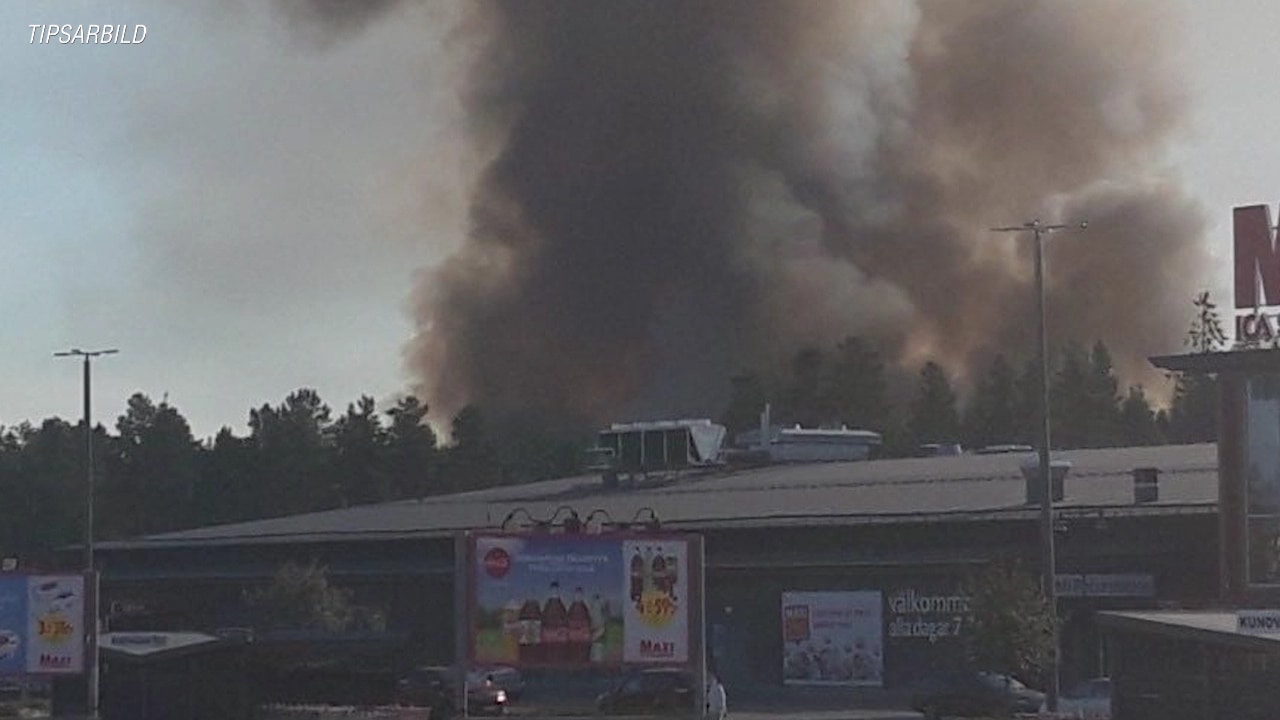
91 635
1048 565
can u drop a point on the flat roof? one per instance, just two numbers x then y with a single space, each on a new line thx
958 488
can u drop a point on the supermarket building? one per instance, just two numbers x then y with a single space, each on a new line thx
1137 530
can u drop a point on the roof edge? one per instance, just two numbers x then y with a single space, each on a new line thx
1020 512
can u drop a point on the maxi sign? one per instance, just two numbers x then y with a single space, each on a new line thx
42 624
577 600
1257 281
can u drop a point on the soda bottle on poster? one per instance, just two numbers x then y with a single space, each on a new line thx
637 578
511 631
673 576
531 632
579 629
648 567
660 578
596 608
555 627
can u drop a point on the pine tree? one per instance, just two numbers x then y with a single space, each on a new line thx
747 397
803 403
1138 423
1070 411
992 415
933 414
1101 401
854 386
1206 333
411 452
1027 404
472 461
1193 414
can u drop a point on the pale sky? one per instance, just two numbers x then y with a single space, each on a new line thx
241 209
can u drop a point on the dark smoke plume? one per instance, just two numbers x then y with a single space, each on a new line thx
678 191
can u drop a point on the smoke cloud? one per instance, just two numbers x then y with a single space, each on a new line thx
675 192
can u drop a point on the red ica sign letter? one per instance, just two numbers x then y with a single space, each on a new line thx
1256 258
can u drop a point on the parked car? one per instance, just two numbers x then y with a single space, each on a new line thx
976 694
651 692
1089 700
435 687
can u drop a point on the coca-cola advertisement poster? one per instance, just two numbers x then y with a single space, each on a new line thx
579 600
832 638
656 614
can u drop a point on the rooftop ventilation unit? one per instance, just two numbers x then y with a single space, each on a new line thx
658 446
1058 470
1146 484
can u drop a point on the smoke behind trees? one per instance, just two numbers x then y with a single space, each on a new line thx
673 192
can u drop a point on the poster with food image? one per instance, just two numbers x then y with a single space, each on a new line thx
832 638
577 601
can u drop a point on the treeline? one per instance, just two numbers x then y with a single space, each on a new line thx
299 456
153 476
846 385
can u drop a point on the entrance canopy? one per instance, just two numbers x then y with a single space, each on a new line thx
1213 627
1231 361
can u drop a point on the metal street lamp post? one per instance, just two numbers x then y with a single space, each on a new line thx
91 644
1048 562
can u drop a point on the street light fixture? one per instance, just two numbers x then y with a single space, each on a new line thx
1048 563
91 644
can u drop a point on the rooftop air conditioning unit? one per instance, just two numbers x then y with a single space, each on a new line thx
661 446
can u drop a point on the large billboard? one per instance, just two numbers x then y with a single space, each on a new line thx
579 600
832 638
42 624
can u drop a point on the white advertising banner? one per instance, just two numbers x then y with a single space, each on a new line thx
833 638
655 614
1258 622
55 630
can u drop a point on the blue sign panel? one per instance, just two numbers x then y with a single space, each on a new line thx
13 624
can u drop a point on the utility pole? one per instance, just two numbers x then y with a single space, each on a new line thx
91 581
1048 563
